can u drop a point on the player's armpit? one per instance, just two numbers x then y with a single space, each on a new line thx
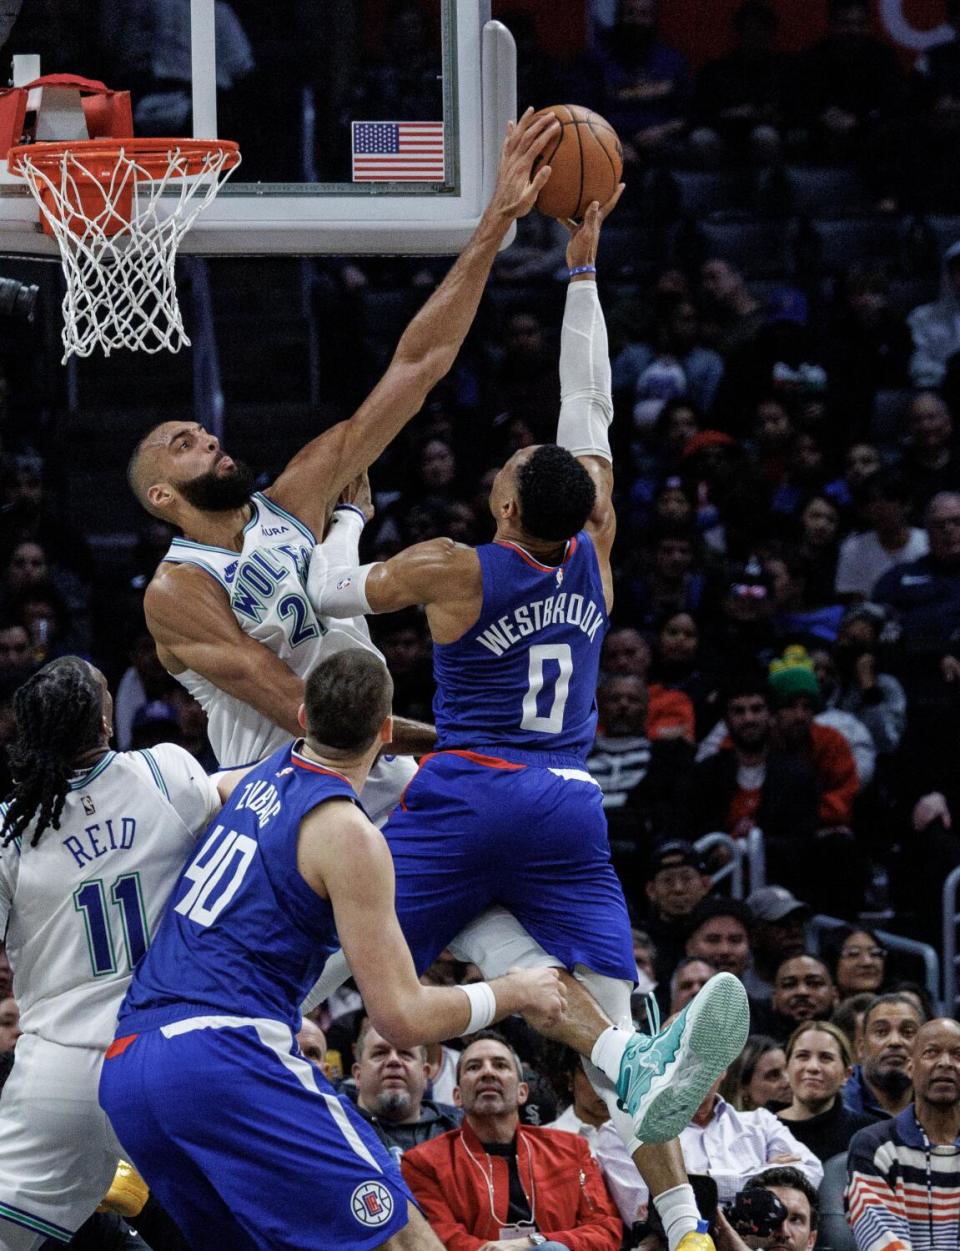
189 617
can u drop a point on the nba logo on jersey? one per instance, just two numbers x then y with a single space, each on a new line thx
88 805
372 1203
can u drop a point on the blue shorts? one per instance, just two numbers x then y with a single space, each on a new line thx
475 830
245 1143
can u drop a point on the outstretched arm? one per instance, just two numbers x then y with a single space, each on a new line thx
345 859
429 345
586 402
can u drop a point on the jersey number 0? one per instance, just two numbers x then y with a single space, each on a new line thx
552 723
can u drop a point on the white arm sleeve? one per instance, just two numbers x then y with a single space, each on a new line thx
586 403
335 579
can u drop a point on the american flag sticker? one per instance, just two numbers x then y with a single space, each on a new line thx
397 151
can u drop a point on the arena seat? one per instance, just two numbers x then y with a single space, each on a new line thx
702 192
758 246
844 241
822 190
886 417
834 1234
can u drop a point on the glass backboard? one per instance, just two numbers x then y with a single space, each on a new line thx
365 128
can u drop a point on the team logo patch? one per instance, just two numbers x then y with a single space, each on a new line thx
372 1203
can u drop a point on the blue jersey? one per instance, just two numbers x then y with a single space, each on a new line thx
243 932
525 675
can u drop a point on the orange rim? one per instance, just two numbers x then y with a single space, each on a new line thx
151 155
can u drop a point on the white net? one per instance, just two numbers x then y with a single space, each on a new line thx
118 223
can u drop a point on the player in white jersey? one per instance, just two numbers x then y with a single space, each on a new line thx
93 843
227 607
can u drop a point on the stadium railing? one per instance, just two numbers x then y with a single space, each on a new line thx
950 922
746 866
820 925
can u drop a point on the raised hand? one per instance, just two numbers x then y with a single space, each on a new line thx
516 192
585 235
544 996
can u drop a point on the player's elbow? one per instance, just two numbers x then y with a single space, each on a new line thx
397 1026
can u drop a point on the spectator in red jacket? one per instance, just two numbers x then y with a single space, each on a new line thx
495 1183
795 695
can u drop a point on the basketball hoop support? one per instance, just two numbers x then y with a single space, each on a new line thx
203 54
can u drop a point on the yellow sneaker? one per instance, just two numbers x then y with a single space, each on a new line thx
129 1192
696 1242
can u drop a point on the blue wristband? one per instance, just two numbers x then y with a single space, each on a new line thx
581 269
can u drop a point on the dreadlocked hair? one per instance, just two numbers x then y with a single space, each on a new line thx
58 712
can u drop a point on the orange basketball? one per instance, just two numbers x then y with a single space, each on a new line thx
586 162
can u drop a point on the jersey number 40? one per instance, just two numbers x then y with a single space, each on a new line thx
216 874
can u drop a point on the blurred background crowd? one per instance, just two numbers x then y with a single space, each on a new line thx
782 290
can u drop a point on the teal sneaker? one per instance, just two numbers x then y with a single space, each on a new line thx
665 1077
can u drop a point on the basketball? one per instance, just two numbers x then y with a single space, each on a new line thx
585 162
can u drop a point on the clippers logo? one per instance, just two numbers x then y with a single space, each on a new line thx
88 807
372 1203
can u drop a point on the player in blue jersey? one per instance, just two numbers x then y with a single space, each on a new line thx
504 812
239 1136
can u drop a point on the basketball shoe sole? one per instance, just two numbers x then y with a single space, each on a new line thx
665 1077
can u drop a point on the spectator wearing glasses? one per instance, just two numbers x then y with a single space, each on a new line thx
677 881
859 962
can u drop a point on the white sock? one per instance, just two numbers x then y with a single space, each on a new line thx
608 1051
678 1211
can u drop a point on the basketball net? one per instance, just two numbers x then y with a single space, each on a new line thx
118 211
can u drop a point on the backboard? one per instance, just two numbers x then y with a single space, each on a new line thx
358 137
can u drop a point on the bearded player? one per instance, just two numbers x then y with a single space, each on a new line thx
505 812
227 607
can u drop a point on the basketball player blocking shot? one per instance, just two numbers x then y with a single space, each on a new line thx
504 815
227 606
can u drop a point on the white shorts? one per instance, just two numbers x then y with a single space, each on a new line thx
58 1153
386 783
496 942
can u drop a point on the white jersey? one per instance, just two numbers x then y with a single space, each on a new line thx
266 585
79 909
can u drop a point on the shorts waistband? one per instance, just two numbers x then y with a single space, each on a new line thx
494 753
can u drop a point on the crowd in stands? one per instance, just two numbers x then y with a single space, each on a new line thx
785 644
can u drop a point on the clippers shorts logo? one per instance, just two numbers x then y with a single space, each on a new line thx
372 1203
